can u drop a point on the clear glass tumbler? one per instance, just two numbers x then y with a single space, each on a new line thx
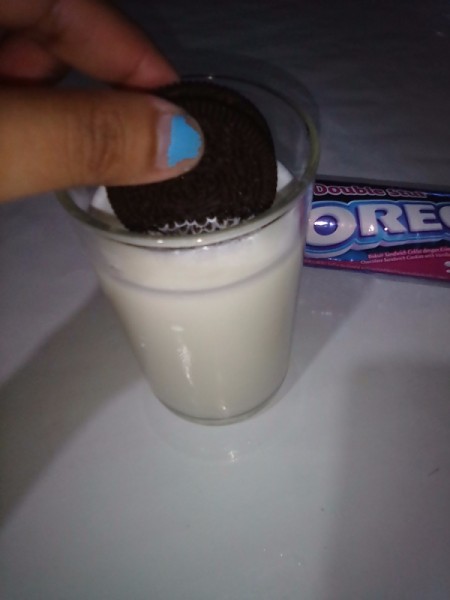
210 316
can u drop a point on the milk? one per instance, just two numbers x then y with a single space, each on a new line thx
210 324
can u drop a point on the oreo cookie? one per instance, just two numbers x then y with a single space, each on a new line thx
235 180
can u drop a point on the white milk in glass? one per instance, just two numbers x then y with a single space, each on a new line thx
210 325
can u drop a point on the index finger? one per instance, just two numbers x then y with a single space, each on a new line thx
93 37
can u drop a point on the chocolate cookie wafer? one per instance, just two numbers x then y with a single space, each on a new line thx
235 180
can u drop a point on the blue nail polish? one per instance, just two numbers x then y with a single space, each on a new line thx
185 141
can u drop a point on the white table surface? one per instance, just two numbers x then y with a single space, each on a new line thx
339 491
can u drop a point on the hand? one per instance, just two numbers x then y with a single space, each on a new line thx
52 138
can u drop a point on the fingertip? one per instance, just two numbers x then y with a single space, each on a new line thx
150 72
178 143
181 144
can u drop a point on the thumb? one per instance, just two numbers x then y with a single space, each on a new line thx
51 139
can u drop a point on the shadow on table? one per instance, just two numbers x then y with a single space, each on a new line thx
79 368
389 521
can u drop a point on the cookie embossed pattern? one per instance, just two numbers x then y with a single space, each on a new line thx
383 229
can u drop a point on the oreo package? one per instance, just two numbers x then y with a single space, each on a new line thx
380 228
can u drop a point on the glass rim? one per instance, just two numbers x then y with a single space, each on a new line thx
285 197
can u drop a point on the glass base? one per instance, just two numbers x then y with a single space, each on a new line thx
272 399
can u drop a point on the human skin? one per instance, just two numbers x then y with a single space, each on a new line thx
52 138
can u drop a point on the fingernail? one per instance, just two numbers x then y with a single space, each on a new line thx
185 141
181 142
